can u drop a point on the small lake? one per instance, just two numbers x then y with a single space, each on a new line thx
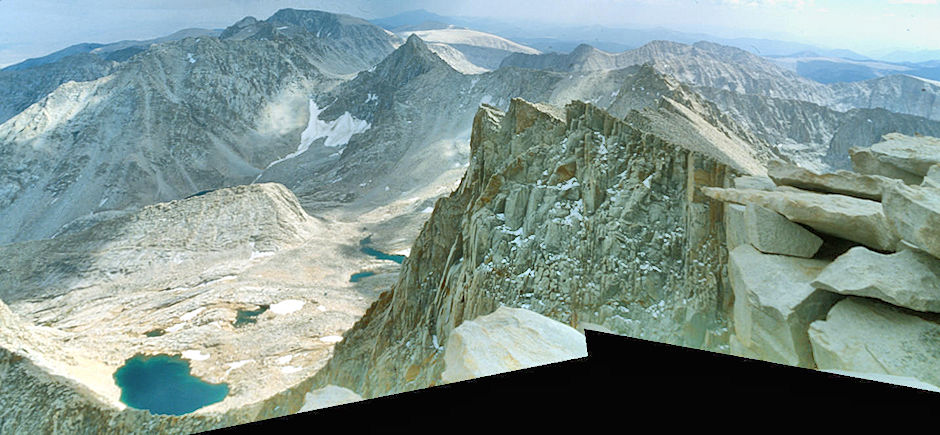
164 384
366 249
244 317
358 276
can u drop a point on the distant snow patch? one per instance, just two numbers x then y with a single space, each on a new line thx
331 339
255 255
195 355
189 57
290 369
337 132
175 327
192 314
321 308
428 210
284 359
287 307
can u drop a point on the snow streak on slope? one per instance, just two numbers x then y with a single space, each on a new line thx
337 132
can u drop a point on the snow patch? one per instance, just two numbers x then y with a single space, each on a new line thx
192 314
290 369
337 132
427 210
287 307
284 359
195 355
331 339
189 57
175 327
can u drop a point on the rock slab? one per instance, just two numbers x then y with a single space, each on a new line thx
508 339
914 211
774 305
772 233
859 220
869 336
327 397
906 279
840 182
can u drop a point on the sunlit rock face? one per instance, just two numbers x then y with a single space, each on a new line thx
570 213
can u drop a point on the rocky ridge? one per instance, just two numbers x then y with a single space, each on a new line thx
863 305
551 205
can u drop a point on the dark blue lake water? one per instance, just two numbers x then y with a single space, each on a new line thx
366 249
244 317
163 384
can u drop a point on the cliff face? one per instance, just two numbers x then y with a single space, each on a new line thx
572 214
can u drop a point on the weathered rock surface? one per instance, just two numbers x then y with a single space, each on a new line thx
914 154
508 339
755 182
865 161
774 304
869 336
772 233
841 182
907 279
615 234
914 211
859 220
933 177
328 396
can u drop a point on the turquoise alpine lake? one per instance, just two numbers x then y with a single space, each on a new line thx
163 384
366 249
357 276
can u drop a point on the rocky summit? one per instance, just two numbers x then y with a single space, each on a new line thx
309 210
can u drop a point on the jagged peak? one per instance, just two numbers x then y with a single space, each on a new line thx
412 59
583 50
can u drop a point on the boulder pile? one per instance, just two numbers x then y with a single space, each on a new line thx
840 271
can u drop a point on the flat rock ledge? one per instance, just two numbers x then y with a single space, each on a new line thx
859 220
841 182
906 279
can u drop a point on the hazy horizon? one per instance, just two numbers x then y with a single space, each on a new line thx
869 27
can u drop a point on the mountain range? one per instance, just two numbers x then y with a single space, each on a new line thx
367 187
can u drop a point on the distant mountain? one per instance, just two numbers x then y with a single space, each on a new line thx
483 50
911 56
176 119
104 50
833 69
29 81
701 64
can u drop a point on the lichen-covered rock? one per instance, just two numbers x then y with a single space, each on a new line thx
906 279
855 219
774 304
869 336
328 396
914 211
772 233
508 339
841 182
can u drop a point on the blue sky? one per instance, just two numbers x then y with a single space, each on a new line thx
31 28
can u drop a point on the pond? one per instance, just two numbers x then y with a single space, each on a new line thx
163 384
244 317
358 276
366 249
